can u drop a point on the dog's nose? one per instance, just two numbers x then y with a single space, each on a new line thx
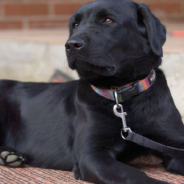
74 45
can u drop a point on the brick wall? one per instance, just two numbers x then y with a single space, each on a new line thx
167 10
55 13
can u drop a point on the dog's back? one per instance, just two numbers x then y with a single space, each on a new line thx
36 119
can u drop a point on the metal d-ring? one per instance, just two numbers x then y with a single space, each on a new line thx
116 99
125 130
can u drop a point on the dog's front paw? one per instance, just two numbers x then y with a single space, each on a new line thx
76 172
11 159
176 166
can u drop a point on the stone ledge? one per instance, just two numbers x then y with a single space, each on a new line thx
28 61
31 61
173 67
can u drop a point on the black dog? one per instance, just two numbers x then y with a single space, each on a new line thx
71 127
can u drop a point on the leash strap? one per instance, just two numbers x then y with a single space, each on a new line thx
129 135
143 141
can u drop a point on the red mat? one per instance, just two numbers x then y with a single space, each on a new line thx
151 166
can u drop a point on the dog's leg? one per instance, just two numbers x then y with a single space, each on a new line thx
174 164
103 168
10 157
173 136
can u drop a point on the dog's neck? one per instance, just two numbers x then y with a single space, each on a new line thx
129 90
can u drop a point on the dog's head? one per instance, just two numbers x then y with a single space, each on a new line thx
113 42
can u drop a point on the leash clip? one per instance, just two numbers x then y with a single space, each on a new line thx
120 114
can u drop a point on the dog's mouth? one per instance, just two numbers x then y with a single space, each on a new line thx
85 66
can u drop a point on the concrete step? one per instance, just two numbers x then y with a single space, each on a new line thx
173 67
34 56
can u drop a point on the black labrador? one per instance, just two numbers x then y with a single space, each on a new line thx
70 126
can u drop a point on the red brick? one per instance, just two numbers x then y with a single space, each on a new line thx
82 1
11 25
66 9
43 10
166 7
158 1
1 10
26 9
179 19
182 7
47 24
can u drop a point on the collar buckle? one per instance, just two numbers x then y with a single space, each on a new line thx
129 91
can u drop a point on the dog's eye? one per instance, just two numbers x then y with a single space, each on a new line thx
108 21
75 25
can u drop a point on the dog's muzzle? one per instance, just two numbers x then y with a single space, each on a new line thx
74 45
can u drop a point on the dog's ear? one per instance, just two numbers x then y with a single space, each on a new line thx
151 28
